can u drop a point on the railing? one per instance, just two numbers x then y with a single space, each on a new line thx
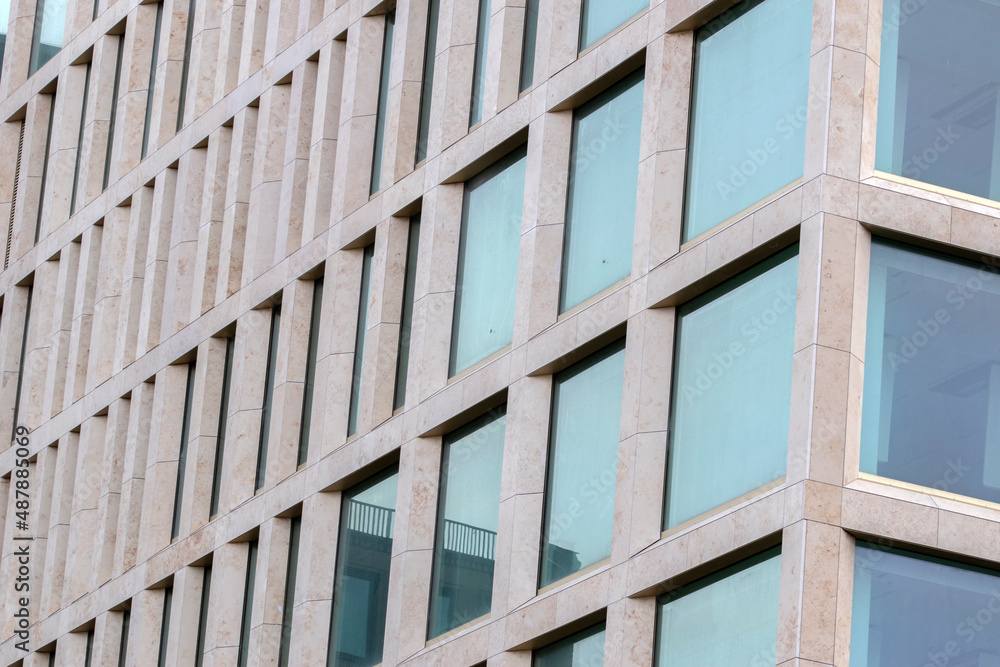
469 540
370 519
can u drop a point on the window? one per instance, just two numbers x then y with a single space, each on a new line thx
265 411
123 644
583 649
186 67
528 48
251 578
79 142
168 596
468 512
748 116
175 523
938 95
310 383
582 464
45 167
729 618
4 20
602 16
47 38
487 262
359 341
288 602
931 407
603 181
948 611
89 655
151 90
220 440
206 594
479 66
114 113
427 82
406 315
361 578
383 100
20 365
733 358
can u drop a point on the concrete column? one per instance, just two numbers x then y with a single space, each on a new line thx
227 64
182 267
295 175
109 501
269 593
185 614
144 626
54 569
222 632
630 634
107 638
503 61
98 119
169 67
137 60
205 41
130 517
453 66
71 649
234 225
29 186
108 297
133 277
265 183
323 142
11 333
253 39
157 261
83 314
63 147
403 99
61 328
82 540
38 349
211 222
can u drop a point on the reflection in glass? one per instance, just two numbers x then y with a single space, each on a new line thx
602 16
939 94
361 579
4 20
468 512
487 262
584 649
47 38
728 618
733 358
748 116
911 609
931 408
603 181
479 67
583 464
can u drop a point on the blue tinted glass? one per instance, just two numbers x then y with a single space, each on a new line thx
47 39
931 408
602 16
584 649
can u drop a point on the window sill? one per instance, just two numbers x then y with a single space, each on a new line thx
924 491
720 509
929 188
733 219
573 578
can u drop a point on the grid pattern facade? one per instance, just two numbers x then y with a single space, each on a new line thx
237 237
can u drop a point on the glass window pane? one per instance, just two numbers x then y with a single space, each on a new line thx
185 68
79 142
916 610
309 389
383 101
109 150
479 70
427 82
406 316
734 358
206 595
265 412
359 341
468 512
123 644
168 596
487 262
151 90
584 649
361 580
288 603
4 20
602 16
751 90
931 408
47 38
248 595
730 618
583 464
175 524
220 440
528 49
603 181
939 94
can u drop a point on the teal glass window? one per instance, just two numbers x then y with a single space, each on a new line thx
583 464
468 512
529 43
600 17
20 365
243 653
186 67
406 315
220 439
288 602
748 117
487 262
109 150
939 97
383 101
90 649
79 142
123 644
266 408
931 407
479 67
47 38
168 597
206 595
361 578
310 381
175 523
45 168
151 89
4 21
911 609
733 357
583 649
359 341
427 81
603 182
728 618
